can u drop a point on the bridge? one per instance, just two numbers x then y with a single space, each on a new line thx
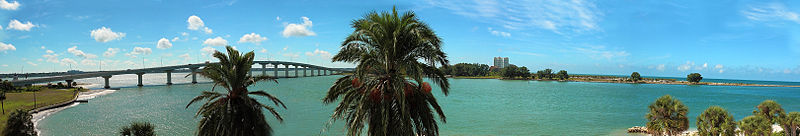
69 78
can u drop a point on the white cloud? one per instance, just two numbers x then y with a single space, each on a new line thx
721 70
6 47
661 67
49 51
195 23
104 34
770 12
74 50
499 33
208 50
252 38
175 39
32 64
140 50
185 57
67 61
719 66
278 18
16 25
685 67
88 62
299 30
184 34
263 50
218 41
600 52
321 53
163 43
704 67
9 5
110 52
51 57
561 17
43 47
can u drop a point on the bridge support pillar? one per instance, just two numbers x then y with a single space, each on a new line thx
305 69
319 73
275 70
286 71
263 69
105 78
169 77
296 72
69 83
194 75
140 79
325 72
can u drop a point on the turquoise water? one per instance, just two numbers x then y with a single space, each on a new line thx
474 107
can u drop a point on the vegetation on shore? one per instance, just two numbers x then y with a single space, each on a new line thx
31 97
387 95
667 116
19 124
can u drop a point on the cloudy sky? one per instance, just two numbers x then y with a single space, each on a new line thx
756 40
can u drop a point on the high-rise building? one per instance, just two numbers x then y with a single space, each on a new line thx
501 62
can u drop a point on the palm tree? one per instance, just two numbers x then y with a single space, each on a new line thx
771 110
791 123
138 129
235 112
19 124
667 116
716 121
387 93
755 126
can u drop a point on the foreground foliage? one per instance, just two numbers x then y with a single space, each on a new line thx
716 121
234 113
755 126
667 116
138 129
19 124
387 93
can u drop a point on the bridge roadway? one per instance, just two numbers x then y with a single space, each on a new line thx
320 70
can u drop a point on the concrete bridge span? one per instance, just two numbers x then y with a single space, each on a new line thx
286 67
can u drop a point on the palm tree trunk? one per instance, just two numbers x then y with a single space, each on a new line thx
3 106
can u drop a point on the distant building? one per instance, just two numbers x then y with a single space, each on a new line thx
501 62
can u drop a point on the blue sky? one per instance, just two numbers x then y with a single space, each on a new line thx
720 39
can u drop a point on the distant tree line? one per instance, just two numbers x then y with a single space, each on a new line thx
466 69
509 72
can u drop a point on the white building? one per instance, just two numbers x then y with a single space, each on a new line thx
501 62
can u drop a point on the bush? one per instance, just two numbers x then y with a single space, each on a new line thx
694 77
138 129
636 77
19 124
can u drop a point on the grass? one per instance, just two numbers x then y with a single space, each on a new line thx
24 101
478 77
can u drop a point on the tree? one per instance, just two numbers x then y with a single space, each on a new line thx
667 116
694 77
138 129
5 86
524 72
19 124
636 77
392 53
236 112
562 75
770 110
715 121
548 73
510 71
755 126
791 123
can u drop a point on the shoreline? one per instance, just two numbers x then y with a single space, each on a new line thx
42 113
651 81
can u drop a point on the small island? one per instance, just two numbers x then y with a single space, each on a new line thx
513 72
